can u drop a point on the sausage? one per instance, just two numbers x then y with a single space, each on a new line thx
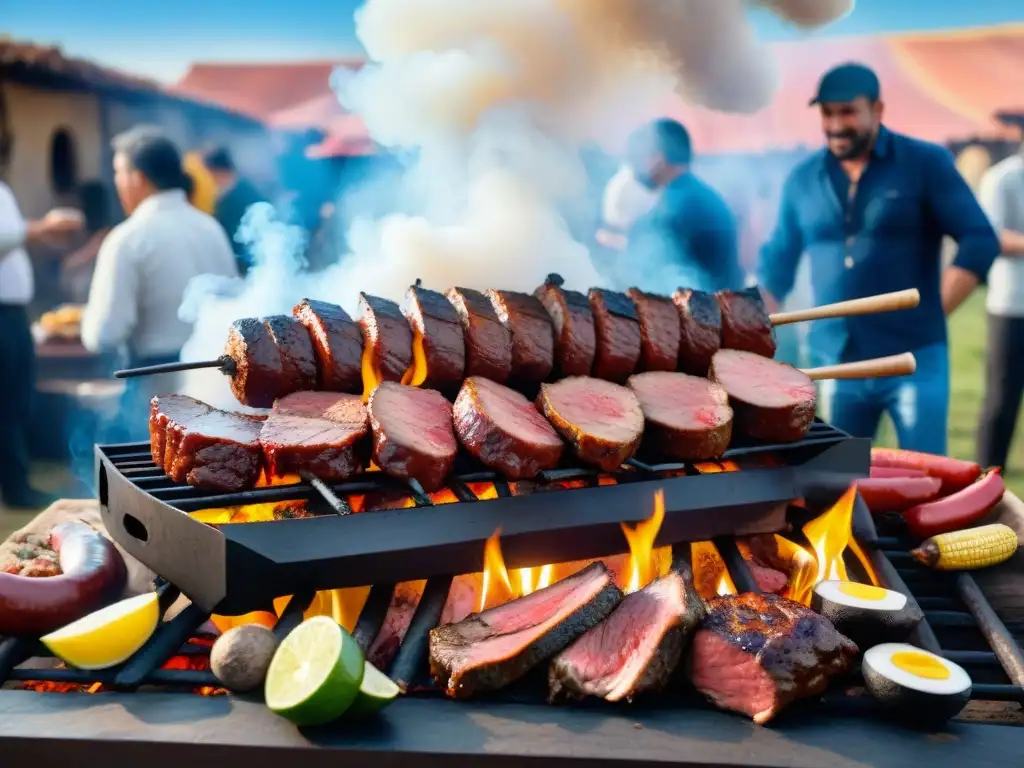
93 574
895 494
883 472
955 474
962 509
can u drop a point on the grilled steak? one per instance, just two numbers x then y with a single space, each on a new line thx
686 418
636 649
203 446
488 342
771 401
259 377
700 330
659 331
745 322
504 430
754 654
617 332
440 332
385 645
298 361
492 649
387 338
533 337
575 339
412 433
321 432
337 343
602 421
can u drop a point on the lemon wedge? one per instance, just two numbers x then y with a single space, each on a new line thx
108 636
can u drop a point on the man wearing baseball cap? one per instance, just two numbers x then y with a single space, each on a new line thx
870 211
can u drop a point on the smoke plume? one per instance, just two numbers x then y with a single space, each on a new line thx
491 101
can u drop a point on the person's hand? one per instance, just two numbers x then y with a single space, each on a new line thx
62 221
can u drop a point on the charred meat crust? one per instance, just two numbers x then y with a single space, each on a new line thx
463 676
432 316
533 337
746 325
700 330
756 654
488 342
588 668
659 331
686 418
607 454
573 323
498 446
388 335
259 377
402 435
337 343
298 361
617 332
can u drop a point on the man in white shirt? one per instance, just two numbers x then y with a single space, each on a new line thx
1002 196
17 351
145 264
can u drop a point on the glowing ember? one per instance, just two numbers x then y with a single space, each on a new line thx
716 467
416 374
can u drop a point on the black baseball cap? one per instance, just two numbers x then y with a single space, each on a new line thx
845 83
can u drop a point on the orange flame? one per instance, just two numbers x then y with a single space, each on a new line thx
645 562
715 467
711 577
416 373
372 375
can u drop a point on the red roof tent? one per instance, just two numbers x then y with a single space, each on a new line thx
935 87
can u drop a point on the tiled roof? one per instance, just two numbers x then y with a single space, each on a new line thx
32 58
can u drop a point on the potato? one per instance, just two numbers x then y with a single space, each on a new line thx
240 657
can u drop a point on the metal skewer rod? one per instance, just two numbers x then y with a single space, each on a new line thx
225 363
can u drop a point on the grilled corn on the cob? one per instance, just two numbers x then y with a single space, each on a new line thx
968 550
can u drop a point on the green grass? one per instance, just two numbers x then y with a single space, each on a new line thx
967 363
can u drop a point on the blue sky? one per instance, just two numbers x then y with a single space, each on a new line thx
160 37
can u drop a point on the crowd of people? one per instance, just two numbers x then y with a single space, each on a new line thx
868 212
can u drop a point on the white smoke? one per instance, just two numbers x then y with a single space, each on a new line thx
494 98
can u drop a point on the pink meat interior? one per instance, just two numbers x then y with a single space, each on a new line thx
514 414
601 409
731 677
413 416
680 400
761 381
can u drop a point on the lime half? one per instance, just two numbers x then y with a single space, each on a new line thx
375 692
315 673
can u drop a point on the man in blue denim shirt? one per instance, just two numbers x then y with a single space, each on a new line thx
870 211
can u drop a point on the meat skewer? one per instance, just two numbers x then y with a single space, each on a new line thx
268 358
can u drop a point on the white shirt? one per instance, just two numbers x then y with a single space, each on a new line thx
1002 196
16 281
142 270
626 200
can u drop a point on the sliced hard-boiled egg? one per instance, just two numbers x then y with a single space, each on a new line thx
866 614
916 683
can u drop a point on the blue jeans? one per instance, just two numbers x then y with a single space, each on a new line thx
918 405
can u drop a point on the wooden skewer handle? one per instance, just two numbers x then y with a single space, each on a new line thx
879 368
871 305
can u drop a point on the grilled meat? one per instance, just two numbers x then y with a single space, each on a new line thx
617 331
573 322
771 401
533 337
746 325
504 430
438 325
602 421
387 338
298 361
659 331
259 377
203 446
385 645
700 330
637 648
413 437
686 418
492 649
337 343
324 433
755 654
488 342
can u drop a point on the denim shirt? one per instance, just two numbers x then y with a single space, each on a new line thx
688 239
883 235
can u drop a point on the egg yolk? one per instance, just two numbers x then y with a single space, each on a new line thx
920 664
862 591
